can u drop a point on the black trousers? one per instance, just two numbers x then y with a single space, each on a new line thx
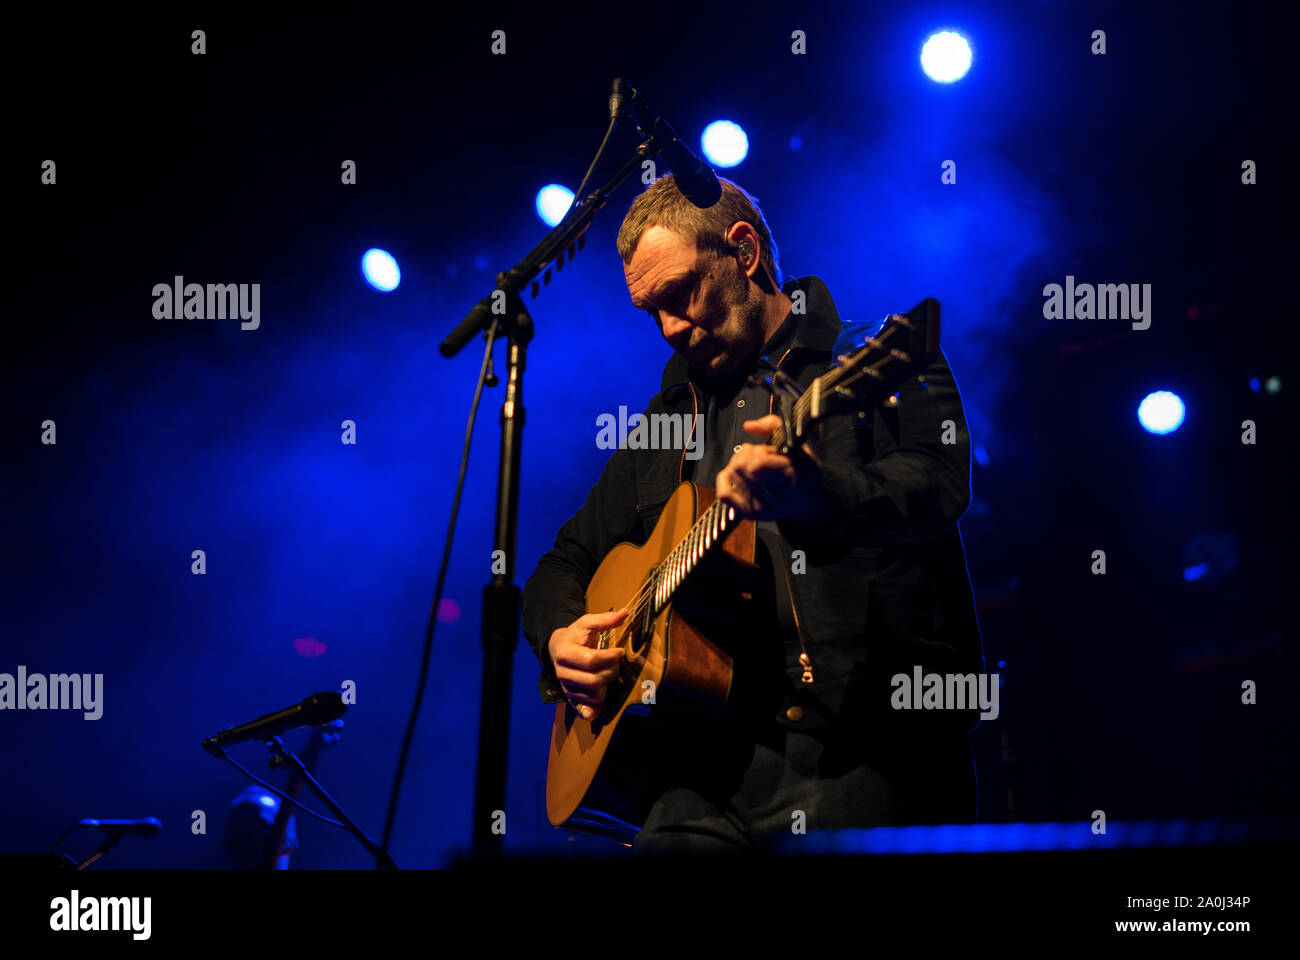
736 787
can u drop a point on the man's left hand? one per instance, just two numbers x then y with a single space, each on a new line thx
764 485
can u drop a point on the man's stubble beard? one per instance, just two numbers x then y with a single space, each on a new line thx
740 298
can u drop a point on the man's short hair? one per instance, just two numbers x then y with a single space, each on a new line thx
663 205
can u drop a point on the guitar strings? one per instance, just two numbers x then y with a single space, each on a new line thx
678 558
679 554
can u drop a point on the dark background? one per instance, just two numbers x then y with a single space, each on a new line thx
1121 692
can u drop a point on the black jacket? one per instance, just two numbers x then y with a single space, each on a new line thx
886 585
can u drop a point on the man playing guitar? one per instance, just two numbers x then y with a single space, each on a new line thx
863 566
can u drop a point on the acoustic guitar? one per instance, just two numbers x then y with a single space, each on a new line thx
599 778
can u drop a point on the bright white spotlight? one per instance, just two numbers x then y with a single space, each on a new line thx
724 143
380 269
1161 412
946 57
553 202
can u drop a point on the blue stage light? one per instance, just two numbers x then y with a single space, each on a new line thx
724 143
553 202
946 57
380 269
1161 412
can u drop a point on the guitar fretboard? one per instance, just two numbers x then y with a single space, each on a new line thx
714 523
719 518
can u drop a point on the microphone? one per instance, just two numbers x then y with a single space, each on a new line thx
694 178
317 709
144 827
479 318
617 98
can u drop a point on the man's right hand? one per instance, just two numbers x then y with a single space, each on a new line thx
584 671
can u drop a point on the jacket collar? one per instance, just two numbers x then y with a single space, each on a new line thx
814 330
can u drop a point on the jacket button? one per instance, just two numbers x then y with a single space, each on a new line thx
794 713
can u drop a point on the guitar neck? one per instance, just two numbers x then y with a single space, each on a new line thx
868 373
708 531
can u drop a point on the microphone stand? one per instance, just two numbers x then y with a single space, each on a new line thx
500 623
109 843
111 838
287 758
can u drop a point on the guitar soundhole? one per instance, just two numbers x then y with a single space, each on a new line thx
636 644
639 633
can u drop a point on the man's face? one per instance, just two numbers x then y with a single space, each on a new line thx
705 306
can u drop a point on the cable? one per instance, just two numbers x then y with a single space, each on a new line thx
613 122
437 597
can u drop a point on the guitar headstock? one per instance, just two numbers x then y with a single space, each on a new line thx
871 361
872 367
